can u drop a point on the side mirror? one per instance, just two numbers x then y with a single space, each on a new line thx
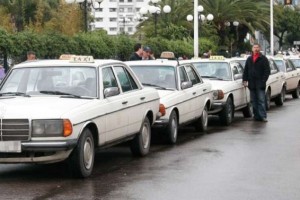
274 71
237 76
187 84
111 91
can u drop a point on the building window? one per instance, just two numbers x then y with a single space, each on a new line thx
129 9
112 0
100 19
112 19
139 0
129 1
137 9
130 29
121 10
121 29
121 1
112 29
112 10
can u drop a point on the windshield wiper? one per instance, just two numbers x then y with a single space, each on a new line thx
157 86
212 77
14 94
59 93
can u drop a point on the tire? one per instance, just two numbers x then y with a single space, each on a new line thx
201 123
227 114
248 111
280 98
140 145
268 100
295 93
172 129
82 158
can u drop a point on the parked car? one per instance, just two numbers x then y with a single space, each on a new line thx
275 86
230 95
53 110
184 97
295 60
292 75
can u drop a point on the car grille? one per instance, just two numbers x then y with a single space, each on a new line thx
14 129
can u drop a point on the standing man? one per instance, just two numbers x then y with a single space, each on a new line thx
31 55
138 51
255 76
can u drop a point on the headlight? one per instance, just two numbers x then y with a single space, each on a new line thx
51 128
218 94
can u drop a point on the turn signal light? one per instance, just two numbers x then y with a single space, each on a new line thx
218 94
68 129
162 110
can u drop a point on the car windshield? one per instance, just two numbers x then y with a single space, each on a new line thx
218 70
296 62
280 65
72 81
157 76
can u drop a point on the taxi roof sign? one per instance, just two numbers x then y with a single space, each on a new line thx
167 55
66 56
217 58
82 59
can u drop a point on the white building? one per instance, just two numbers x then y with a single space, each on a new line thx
118 16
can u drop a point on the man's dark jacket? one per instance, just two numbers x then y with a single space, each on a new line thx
135 56
256 73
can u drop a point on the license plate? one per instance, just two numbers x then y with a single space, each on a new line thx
10 146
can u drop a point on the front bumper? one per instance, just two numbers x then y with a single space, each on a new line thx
216 108
40 152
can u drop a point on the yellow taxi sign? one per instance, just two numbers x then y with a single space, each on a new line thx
66 56
217 58
167 55
82 59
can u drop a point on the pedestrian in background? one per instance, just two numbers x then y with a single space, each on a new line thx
31 55
138 52
147 53
255 76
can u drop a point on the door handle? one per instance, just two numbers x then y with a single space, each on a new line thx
194 93
142 98
204 90
124 102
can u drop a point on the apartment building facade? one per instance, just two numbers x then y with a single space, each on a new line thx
118 16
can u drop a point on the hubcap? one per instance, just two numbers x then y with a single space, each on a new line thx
204 118
88 153
174 128
145 136
229 112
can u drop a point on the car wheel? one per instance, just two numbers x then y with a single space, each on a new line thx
172 128
248 111
227 113
82 158
201 123
140 145
295 93
268 100
280 98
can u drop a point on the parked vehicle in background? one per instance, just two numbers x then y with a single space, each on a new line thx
184 97
53 110
292 75
229 94
295 60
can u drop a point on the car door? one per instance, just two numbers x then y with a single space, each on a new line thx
294 75
238 90
198 91
133 98
275 79
116 121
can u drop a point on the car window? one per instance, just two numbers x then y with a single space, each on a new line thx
109 79
192 75
273 67
183 75
296 62
156 75
33 80
125 79
281 65
290 65
219 70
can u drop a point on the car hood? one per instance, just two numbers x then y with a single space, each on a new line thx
38 107
219 85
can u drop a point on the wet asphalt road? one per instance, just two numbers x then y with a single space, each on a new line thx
246 161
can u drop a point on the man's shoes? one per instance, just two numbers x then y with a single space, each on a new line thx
264 120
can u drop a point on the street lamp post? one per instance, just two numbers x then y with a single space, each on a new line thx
155 11
202 18
85 5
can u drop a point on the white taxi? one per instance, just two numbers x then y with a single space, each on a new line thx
184 97
292 75
295 60
53 110
230 95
